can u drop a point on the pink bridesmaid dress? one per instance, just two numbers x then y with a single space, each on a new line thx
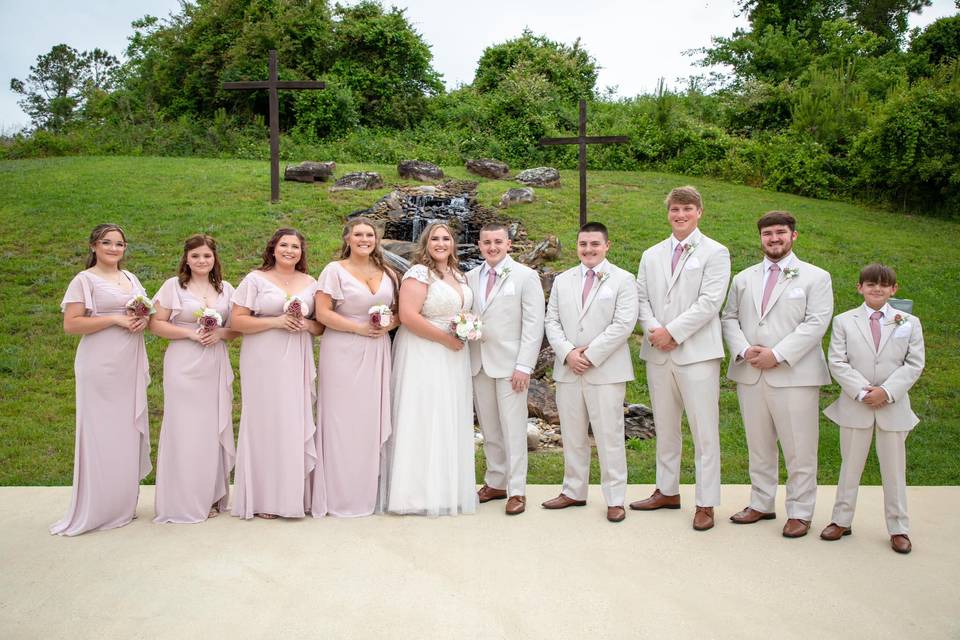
112 452
276 452
353 400
196 451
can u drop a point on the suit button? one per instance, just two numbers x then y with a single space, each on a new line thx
668 300
761 323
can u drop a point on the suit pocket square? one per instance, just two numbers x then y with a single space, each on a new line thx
605 294
691 263
796 293
508 289
903 331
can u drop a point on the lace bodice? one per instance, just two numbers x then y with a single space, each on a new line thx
442 301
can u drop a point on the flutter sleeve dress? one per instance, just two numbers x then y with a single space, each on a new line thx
276 451
112 451
196 451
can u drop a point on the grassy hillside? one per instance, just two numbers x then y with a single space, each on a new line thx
47 208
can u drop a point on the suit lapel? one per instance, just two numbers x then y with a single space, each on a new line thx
756 287
597 283
676 274
886 330
473 280
775 294
863 324
498 284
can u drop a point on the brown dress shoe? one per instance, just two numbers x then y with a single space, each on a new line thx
703 518
656 501
835 532
616 514
795 528
900 543
516 505
562 502
486 494
751 515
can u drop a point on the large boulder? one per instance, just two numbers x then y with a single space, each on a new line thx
310 171
516 196
540 177
358 181
542 403
419 170
401 248
638 422
546 250
488 168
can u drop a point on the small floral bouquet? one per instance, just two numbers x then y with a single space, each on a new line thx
899 320
791 272
380 315
467 326
294 306
208 319
140 306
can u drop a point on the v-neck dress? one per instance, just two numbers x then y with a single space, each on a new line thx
112 452
276 452
353 400
196 451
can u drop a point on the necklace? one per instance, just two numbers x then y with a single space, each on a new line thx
208 292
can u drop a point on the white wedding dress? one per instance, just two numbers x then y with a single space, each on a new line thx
428 463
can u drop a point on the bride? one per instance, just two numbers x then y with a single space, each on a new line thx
428 465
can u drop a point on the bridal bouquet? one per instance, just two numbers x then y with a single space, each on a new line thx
140 306
208 319
294 306
380 315
467 326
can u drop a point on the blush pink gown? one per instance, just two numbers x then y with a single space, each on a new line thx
112 452
276 452
196 451
353 400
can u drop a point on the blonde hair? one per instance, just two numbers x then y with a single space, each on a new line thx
376 256
684 195
422 254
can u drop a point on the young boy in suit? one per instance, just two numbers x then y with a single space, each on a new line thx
876 354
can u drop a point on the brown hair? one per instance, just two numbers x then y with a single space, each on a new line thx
775 218
269 261
878 273
422 254
183 271
96 235
495 226
594 227
376 256
684 195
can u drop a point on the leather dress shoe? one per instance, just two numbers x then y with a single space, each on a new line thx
516 505
796 528
703 518
616 514
656 501
900 543
751 515
835 532
487 493
562 502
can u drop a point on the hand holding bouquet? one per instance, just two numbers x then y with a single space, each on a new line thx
294 306
380 315
140 306
467 326
208 319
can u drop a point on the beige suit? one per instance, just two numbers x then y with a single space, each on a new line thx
603 324
687 302
781 403
512 334
856 363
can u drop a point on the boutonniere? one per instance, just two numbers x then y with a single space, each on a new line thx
602 276
791 272
899 320
504 272
690 247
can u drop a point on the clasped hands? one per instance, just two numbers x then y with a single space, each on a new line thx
876 397
760 357
661 339
577 361
132 323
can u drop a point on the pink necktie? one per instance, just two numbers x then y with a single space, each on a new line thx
587 285
768 289
875 328
491 280
676 257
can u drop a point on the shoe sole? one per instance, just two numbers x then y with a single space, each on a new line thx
796 535
766 516
663 506
696 528
572 504
845 533
484 500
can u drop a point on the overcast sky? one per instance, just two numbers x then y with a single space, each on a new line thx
635 42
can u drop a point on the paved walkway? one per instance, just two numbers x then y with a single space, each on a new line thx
567 574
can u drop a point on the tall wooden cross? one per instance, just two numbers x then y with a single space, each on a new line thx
582 140
273 84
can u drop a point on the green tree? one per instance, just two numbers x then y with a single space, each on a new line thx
939 43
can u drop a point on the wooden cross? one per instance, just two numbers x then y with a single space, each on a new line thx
273 84
582 140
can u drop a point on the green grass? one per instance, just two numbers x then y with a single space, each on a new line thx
47 208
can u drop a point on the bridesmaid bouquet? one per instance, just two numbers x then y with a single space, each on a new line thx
294 306
380 315
467 326
140 306
208 319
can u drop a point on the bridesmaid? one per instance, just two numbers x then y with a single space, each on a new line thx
353 405
112 452
276 452
196 451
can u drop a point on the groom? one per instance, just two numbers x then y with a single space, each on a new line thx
508 298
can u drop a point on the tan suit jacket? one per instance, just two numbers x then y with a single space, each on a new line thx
796 318
855 364
512 320
603 324
686 302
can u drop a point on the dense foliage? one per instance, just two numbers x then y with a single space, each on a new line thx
825 98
